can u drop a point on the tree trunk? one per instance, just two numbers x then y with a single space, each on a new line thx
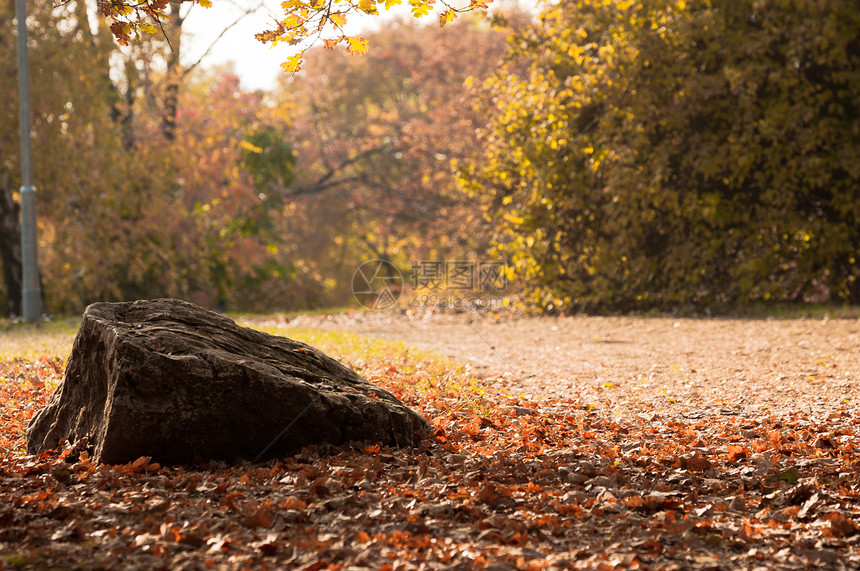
174 74
10 249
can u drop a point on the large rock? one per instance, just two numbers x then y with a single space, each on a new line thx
171 380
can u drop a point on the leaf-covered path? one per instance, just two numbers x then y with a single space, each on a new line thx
635 365
580 476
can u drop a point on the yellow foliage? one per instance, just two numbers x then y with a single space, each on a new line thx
357 45
293 63
666 137
447 17
250 147
421 8
367 6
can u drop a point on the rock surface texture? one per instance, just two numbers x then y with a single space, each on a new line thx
171 380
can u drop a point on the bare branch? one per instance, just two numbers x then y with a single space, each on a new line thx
327 180
248 12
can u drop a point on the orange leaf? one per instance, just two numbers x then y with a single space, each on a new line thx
362 537
737 452
842 526
140 463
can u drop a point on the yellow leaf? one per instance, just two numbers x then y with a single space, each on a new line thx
205 3
357 45
447 17
292 21
390 3
419 8
367 6
338 19
251 148
148 28
293 63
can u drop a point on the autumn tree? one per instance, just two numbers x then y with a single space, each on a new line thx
667 153
143 195
80 167
140 194
71 100
376 139
234 159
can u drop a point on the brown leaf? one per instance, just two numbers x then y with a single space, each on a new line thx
261 517
842 526
823 441
320 487
267 545
807 506
695 463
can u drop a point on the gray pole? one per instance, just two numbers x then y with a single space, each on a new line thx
32 294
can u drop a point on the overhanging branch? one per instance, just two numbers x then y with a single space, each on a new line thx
330 178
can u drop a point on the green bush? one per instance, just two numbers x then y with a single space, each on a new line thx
669 153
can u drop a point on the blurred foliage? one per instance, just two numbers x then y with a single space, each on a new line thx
268 157
126 212
252 200
377 138
627 155
664 153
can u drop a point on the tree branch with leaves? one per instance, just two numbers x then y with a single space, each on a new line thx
304 22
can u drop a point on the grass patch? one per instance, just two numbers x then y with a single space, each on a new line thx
32 341
408 373
809 311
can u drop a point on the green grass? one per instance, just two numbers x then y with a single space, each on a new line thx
813 311
778 310
408 372
356 349
30 341
350 346
240 316
331 342
759 310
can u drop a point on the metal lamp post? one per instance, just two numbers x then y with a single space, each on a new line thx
31 295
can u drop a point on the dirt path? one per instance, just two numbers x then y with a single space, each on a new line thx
641 366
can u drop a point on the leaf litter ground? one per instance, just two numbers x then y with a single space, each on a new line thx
510 479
